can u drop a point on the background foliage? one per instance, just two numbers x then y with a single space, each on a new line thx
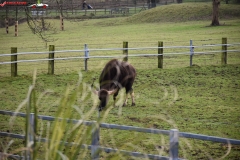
203 99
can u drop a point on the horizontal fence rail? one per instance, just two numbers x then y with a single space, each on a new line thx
135 55
120 49
53 56
105 149
129 128
95 147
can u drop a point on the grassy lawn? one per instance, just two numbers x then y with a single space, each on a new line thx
203 99
109 34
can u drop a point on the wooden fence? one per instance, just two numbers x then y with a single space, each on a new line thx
95 147
86 56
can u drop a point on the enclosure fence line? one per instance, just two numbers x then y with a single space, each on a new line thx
118 49
174 135
86 56
76 11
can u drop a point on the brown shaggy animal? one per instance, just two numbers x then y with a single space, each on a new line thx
115 76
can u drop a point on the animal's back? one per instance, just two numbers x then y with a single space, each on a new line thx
119 71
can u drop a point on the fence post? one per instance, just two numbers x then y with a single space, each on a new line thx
31 134
51 59
86 54
62 25
173 150
224 51
30 125
125 51
6 22
160 55
16 28
191 52
95 141
14 64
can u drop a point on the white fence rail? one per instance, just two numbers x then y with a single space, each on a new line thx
174 135
86 54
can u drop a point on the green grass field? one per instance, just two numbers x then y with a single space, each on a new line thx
203 99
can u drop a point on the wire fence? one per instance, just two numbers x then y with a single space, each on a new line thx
173 134
141 57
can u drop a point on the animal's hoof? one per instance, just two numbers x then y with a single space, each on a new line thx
133 104
124 104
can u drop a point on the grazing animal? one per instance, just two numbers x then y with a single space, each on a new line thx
115 75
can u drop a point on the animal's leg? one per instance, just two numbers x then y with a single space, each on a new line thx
114 98
125 102
114 101
132 96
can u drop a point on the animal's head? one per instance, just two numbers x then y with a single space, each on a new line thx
103 96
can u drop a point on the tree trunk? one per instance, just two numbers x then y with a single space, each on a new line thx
153 2
215 4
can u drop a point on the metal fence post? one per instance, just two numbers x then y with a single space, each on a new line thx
224 51
191 52
86 54
95 141
51 59
160 55
173 150
125 51
14 59
31 133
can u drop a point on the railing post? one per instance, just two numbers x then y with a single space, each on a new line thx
16 28
86 54
191 52
160 55
30 125
31 134
224 51
14 64
51 59
173 150
6 23
95 141
125 51
62 24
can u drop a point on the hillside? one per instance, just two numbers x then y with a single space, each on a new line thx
185 12
167 13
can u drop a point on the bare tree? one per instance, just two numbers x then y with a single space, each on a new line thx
215 13
40 27
60 7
